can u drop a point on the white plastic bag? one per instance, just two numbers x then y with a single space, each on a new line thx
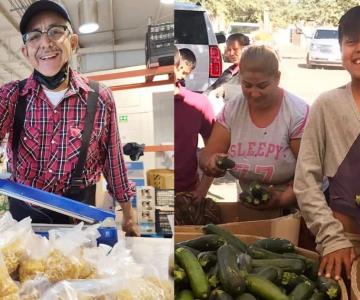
113 288
13 243
8 288
33 265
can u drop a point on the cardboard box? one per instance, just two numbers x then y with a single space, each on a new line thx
160 178
286 227
248 239
355 280
236 212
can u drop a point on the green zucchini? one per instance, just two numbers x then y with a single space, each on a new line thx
208 242
246 197
269 273
197 278
228 236
229 273
184 295
259 193
220 295
312 265
290 279
245 296
225 163
213 277
329 286
207 259
244 263
276 245
194 251
317 295
302 291
263 288
287 265
260 253
179 275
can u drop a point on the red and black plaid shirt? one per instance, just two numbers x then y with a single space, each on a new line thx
51 138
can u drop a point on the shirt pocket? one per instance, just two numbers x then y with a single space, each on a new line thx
74 143
31 143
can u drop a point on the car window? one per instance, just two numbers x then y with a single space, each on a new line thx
190 27
326 34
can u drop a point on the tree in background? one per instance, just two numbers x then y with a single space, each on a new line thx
282 12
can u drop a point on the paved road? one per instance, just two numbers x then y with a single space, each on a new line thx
309 83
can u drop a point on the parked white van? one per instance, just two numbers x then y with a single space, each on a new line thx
324 48
194 31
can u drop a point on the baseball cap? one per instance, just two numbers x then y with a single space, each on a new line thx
39 6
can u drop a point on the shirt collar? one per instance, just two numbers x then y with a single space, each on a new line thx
77 85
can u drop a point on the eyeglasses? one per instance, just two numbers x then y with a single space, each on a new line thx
55 33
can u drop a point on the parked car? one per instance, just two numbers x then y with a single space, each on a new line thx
194 31
324 48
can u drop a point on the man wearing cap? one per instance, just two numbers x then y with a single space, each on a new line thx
62 127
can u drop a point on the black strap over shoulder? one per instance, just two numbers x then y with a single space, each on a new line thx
88 128
19 118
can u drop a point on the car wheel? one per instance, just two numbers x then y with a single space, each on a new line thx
308 64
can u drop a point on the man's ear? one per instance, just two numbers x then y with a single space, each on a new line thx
74 42
25 52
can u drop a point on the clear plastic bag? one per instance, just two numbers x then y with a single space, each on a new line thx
66 260
114 261
33 264
34 288
8 288
113 288
13 243
6 222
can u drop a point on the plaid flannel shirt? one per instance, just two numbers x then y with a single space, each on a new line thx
51 138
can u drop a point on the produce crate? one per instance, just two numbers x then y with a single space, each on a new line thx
248 239
286 227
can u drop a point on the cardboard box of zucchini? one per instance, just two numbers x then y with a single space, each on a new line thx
219 265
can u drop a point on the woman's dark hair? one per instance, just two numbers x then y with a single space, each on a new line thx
242 39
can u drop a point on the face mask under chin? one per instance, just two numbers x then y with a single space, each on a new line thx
52 82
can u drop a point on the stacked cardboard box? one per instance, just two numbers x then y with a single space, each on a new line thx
283 227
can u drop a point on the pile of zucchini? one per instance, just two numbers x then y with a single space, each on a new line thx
255 195
219 266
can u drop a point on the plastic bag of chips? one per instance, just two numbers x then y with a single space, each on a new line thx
8 288
113 288
13 243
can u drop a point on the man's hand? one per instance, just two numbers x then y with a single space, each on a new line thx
130 227
129 222
332 263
